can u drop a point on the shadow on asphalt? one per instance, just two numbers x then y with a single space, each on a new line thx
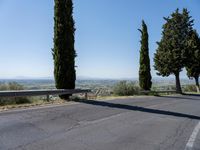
138 108
184 97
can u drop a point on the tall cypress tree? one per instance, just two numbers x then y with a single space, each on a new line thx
193 63
171 55
145 69
63 52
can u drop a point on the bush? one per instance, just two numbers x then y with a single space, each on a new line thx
125 88
9 101
189 88
15 86
164 88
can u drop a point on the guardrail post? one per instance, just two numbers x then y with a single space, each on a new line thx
47 98
86 96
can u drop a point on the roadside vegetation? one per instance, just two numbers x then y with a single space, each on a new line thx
130 88
124 88
10 101
24 102
106 89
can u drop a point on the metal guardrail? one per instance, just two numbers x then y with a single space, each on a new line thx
167 91
22 93
164 91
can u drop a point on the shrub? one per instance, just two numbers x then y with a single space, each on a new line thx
15 86
9 101
124 88
189 88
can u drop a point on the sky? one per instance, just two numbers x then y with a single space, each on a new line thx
107 36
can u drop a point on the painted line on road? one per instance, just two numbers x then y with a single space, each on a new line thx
102 119
114 117
191 141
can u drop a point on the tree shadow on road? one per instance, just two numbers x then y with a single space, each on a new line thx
138 108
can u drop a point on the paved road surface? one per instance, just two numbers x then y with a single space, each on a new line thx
153 123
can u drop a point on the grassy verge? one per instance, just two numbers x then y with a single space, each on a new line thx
34 103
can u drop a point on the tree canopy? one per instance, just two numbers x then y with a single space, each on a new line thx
145 69
172 51
63 52
193 63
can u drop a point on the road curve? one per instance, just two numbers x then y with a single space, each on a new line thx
149 123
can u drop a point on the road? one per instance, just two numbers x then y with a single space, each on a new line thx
148 123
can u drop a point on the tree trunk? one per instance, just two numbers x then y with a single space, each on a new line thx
178 84
197 84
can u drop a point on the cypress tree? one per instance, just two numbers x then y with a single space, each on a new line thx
172 51
193 63
63 52
145 69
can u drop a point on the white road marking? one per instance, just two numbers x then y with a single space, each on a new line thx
102 119
114 117
193 137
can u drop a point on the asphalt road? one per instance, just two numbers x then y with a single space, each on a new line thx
150 123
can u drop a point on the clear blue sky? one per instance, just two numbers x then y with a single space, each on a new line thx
107 39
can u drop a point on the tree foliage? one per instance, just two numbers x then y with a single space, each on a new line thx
171 54
63 52
145 69
193 63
